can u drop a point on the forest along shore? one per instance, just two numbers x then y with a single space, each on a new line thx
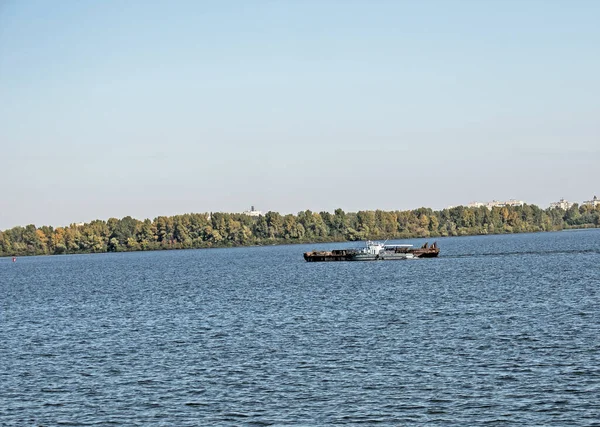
204 230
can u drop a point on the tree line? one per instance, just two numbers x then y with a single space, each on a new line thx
203 230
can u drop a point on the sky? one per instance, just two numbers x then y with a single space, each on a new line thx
149 108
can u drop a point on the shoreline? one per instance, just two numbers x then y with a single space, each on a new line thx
293 243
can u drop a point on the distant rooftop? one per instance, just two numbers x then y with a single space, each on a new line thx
496 204
252 212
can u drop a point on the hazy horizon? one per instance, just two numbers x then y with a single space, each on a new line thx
161 108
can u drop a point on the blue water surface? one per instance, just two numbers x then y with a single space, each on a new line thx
499 330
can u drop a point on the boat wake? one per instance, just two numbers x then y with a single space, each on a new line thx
520 253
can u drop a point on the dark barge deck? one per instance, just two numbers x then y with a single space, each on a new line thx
374 252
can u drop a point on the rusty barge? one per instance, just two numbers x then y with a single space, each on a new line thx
374 251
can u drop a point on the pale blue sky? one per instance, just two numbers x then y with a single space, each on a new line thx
149 108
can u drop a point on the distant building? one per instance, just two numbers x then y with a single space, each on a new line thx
252 212
496 204
593 203
561 204
475 205
513 203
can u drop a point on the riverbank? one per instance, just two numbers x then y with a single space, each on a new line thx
210 230
278 242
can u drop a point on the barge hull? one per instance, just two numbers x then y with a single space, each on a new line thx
387 254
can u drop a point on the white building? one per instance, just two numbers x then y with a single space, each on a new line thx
593 203
561 204
475 204
513 202
252 212
496 204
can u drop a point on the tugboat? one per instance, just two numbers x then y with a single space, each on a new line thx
374 251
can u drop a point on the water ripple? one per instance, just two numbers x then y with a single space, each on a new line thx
500 330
